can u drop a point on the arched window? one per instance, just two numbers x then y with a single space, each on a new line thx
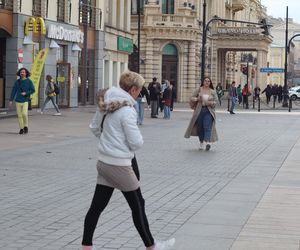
169 50
167 6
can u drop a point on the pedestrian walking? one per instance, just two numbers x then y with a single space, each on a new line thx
22 90
233 97
167 99
256 93
268 92
239 93
114 124
220 92
154 91
246 93
50 93
203 121
140 106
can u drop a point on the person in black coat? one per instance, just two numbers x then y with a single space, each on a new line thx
154 91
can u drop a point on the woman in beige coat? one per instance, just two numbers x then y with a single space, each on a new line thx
203 122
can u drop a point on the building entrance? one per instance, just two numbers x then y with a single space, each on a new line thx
63 80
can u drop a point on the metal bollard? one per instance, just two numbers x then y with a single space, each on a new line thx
290 104
258 104
228 104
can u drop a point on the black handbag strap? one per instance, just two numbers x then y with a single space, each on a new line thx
101 127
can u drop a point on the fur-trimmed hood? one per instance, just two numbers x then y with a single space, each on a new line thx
112 99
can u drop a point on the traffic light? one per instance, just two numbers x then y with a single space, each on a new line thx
265 27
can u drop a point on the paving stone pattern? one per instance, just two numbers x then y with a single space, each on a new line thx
204 199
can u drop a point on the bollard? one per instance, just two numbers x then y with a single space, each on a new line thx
253 102
258 104
273 102
290 104
228 104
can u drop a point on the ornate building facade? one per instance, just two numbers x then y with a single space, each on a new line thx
171 41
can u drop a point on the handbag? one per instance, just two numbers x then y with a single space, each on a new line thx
143 99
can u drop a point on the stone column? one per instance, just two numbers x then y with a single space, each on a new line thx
191 62
148 74
261 78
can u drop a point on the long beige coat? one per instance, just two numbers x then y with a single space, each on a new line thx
192 128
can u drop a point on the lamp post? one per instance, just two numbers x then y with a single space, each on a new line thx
285 90
139 34
203 50
84 51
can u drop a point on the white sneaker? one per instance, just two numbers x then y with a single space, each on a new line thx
42 112
58 113
164 245
201 146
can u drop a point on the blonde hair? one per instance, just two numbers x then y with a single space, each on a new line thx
129 79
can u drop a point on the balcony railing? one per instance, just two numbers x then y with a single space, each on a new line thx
171 21
6 4
90 16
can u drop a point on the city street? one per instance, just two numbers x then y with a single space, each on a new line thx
243 194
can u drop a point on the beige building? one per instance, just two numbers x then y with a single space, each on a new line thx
276 56
171 41
118 40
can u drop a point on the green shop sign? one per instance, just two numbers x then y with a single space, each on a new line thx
125 44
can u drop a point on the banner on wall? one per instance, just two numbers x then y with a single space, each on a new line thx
36 71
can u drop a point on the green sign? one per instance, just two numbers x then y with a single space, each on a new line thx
125 44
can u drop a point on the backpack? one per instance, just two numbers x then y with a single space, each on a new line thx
56 88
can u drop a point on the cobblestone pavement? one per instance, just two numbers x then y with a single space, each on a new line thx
47 180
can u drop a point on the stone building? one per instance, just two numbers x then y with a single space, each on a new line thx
171 41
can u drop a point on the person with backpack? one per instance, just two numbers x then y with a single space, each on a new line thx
22 89
51 91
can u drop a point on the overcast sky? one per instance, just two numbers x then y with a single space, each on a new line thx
277 8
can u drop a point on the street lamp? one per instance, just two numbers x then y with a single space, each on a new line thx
285 90
203 50
139 34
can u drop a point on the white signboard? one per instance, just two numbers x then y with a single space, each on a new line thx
60 33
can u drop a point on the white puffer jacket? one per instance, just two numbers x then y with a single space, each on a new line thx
121 136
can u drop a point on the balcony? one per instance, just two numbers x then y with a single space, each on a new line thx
90 16
171 21
238 5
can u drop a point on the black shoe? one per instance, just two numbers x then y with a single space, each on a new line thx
231 112
153 116
25 130
21 131
207 147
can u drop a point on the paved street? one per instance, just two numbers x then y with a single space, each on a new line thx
243 194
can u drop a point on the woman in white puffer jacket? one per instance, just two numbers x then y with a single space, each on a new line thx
114 123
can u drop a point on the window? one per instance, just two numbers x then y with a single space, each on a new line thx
87 13
36 8
61 10
167 6
134 8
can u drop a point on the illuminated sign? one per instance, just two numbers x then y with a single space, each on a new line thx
35 25
60 33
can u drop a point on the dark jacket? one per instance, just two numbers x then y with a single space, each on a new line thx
144 93
20 86
154 90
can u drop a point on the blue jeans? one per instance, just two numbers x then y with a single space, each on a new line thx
140 110
233 102
204 125
167 112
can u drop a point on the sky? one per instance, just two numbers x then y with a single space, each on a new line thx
277 8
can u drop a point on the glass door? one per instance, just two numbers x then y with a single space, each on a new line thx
63 80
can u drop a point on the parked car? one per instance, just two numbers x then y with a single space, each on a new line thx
294 93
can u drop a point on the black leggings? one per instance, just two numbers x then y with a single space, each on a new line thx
136 202
100 200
